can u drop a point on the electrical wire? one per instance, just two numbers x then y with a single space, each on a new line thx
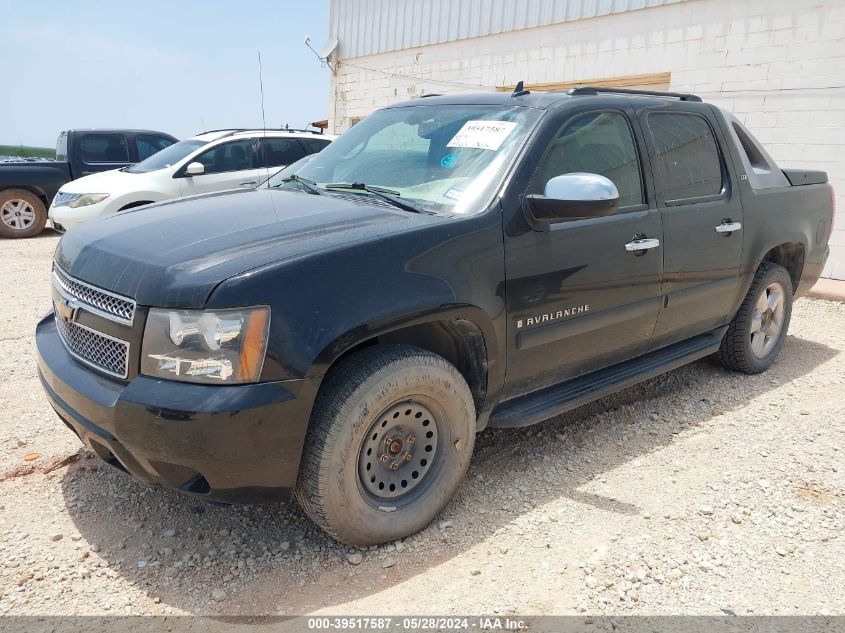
416 77
763 91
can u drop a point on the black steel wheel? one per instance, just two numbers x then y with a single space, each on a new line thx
398 452
390 439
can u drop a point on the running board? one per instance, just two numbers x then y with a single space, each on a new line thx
551 401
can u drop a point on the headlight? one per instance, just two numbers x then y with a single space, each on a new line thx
224 346
87 199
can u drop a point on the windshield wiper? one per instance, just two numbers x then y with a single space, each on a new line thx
308 185
388 195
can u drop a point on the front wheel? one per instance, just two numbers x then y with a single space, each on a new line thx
389 441
757 333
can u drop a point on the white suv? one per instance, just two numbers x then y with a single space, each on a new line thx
211 161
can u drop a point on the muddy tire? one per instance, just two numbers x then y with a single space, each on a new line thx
22 214
757 333
390 439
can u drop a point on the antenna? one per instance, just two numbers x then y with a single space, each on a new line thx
261 88
519 90
263 118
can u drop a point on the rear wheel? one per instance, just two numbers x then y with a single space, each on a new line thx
758 331
22 214
390 439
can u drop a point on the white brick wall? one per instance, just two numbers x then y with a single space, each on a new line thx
778 64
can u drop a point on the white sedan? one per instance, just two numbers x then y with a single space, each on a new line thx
212 161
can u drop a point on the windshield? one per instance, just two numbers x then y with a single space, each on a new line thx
278 178
442 159
166 157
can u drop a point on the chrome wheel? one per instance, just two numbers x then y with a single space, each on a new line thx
767 320
17 214
398 451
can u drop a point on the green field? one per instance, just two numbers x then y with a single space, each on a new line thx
25 150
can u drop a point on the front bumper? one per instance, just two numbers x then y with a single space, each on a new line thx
235 444
67 217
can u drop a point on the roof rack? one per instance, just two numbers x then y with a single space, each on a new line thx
293 129
594 90
232 131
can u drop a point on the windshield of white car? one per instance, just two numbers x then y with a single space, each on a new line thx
445 159
166 157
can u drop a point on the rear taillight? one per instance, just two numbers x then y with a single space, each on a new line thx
833 215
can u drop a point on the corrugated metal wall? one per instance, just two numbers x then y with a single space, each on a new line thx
366 27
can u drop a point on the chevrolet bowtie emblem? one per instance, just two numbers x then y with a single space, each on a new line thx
67 309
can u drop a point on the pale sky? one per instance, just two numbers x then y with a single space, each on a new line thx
178 67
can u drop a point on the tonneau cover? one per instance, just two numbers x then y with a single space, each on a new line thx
805 177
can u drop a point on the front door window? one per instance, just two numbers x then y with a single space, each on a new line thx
596 143
233 156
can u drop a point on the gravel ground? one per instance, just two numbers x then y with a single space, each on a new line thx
699 492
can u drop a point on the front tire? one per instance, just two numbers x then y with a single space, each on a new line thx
22 214
757 333
390 439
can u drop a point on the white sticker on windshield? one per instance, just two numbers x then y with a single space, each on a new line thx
482 134
453 194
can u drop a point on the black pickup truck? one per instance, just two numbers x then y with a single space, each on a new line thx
27 188
448 264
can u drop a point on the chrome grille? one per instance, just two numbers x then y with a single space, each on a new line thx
63 198
104 303
93 348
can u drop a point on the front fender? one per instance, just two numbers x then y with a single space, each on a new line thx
329 301
365 332
134 197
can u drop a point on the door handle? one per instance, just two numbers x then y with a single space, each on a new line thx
642 244
247 183
728 227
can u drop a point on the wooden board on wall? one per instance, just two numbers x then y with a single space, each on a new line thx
652 81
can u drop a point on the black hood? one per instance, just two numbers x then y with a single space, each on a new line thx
174 254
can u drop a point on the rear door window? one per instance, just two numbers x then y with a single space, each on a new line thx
687 158
277 152
314 145
104 148
149 144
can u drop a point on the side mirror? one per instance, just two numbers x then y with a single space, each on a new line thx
573 196
195 169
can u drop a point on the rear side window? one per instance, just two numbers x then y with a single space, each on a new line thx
234 156
104 148
760 169
688 162
313 145
149 144
276 152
